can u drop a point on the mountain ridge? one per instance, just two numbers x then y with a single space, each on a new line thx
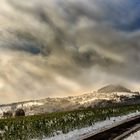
93 99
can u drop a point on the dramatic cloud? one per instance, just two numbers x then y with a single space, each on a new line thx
60 48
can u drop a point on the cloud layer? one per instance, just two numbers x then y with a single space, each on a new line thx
60 48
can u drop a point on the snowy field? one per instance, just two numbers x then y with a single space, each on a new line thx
135 136
76 134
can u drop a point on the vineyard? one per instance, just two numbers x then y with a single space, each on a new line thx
47 125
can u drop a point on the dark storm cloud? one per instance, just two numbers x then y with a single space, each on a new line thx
122 14
57 47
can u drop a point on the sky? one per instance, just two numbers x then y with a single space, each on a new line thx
57 48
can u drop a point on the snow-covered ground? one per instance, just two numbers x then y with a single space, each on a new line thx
29 104
76 134
135 136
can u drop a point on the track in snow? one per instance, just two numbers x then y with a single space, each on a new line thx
117 132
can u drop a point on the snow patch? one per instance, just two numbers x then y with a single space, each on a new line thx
135 136
29 104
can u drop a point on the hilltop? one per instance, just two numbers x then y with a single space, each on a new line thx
113 88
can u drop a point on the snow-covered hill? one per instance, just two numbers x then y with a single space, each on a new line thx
94 99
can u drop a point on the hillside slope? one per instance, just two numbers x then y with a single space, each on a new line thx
107 96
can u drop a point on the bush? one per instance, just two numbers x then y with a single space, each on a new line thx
19 112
